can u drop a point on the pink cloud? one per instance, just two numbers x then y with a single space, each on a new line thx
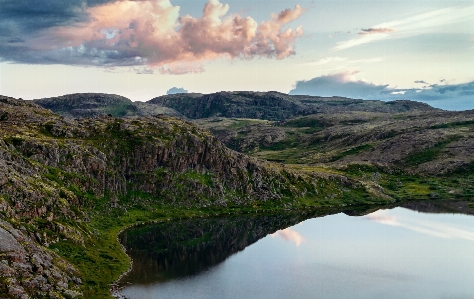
152 32
289 15
290 235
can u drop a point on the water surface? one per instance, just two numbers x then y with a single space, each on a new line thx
391 253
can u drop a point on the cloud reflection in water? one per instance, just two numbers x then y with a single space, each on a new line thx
289 235
432 228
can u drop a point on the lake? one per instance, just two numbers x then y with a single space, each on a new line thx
423 250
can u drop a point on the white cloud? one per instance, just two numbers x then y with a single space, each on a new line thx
419 24
344 60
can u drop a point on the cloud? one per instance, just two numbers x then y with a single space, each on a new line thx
289 15
446 96
143 70
290 235
343 60
327 60
412 26
431 228
152 33
342 84
175 90
376 31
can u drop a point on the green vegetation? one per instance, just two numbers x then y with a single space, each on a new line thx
305 122
352 151
428 154
453 124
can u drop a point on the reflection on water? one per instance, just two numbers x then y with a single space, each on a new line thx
290 235
390 253
175 249
432 228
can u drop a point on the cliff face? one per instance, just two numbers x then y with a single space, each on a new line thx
56 174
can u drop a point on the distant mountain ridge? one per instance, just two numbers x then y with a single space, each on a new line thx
274 105
271 105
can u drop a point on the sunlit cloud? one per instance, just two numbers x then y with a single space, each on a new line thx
290 235
153 33
431 228
412 26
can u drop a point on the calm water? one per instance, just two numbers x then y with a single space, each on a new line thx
395 253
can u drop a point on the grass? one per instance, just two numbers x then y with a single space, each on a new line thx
305 122
429 154
352 151
241 123
453 124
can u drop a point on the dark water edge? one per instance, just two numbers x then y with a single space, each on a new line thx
166 251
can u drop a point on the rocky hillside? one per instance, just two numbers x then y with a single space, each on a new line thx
83 105
432 142
67 186
274 105
410 155
255 105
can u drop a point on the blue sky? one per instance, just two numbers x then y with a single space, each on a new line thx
141 49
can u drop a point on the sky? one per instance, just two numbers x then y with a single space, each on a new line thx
374 50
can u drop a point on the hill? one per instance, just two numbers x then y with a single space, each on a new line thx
256 105
83 105
274 105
